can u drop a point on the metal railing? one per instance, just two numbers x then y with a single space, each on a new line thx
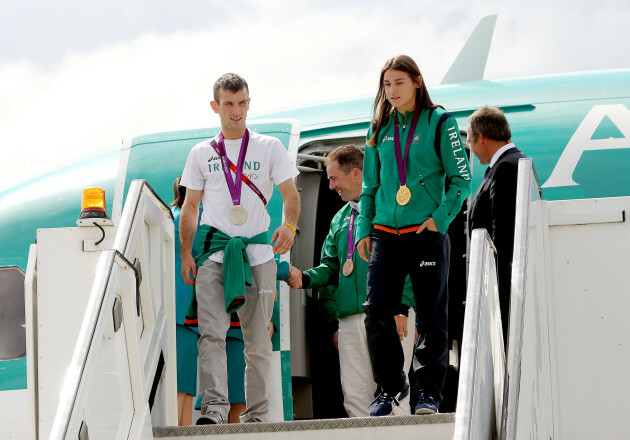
489 391
527 403
482 366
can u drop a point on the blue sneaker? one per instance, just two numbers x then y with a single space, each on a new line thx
382 405
426 405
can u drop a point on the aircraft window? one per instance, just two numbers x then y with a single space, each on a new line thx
12 322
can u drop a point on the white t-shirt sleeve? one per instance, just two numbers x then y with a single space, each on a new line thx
280 167
192 176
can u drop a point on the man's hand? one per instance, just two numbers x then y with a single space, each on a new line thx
294 280
270 329
187 228
283 238
429 224
336 339
188 266
364 247
401 326
284 235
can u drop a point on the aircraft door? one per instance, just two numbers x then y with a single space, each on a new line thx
15 406
12 322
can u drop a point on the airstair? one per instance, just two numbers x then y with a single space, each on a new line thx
100 316
120 383
117 364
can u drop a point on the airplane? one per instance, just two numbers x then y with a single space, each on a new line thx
575 127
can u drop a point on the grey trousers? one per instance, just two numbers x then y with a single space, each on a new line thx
214 322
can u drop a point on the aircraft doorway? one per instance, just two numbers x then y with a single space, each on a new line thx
314 359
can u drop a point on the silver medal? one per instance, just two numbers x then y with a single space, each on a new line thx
237 215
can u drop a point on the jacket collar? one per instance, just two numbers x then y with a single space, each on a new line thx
499 152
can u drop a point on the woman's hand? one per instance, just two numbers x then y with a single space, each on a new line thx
429 224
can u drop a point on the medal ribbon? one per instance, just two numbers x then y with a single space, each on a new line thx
402 161
351 246
251 184
235 187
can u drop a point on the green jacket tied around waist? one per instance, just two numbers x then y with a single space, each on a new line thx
237 272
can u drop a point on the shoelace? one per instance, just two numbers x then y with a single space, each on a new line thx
383 397
429 400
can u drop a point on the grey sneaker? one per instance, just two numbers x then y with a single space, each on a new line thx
212 418
248 418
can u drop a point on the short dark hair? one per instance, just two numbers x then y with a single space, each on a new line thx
491 122
347 156
231 82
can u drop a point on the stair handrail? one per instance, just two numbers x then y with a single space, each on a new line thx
107 261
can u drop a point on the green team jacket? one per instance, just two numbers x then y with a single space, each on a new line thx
347 299
426 174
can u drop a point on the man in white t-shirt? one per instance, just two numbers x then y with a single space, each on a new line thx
233 175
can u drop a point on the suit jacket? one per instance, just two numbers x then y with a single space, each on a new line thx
494 208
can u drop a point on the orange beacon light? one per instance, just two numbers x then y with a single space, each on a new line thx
93 204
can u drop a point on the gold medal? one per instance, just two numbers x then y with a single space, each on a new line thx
403 195
348 267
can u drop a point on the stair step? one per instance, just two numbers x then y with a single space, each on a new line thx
435 426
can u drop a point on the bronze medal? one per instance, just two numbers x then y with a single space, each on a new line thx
403 195
348 267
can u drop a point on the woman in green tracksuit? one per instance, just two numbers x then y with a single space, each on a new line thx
415 178
343 309
340 266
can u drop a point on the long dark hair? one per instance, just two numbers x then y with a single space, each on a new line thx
179 193
382 107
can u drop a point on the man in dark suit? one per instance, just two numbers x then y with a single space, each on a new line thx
494 205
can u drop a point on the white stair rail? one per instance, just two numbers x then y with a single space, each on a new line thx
483 360
528 378
528 333
121 379
517 298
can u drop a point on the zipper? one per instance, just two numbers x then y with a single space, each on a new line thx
459 193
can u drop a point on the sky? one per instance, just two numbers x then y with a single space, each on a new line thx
79 76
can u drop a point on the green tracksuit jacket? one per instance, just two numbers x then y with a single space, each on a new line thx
350 293
426 174
237 272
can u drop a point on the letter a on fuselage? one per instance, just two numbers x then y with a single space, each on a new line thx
581 141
